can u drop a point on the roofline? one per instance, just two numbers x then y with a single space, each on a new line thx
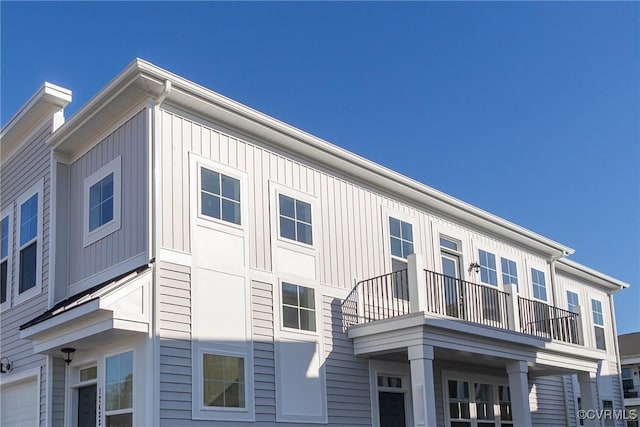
589 273
140 67
49 90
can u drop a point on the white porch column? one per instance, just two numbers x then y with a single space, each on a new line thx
417 284
588 384
422 385
513 311
519 388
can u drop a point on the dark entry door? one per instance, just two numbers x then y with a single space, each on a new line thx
391 409
87 406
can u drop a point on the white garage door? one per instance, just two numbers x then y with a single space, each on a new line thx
19 404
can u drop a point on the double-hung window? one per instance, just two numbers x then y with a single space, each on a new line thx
102 202
539 285
119 390
488 271
219 196
573 303
295 220
491 309
401 240
29 243
509 272
5 263
598 324
298 307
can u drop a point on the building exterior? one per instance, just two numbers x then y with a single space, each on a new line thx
205 264
629 346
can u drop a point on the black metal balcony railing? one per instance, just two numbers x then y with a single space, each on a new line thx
631 392
387 296
454 297
546 321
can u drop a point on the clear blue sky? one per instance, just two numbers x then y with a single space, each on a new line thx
529 111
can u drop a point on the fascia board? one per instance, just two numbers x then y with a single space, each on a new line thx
58 320
245 117
368 170
589 274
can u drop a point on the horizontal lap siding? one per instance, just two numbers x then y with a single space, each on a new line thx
263 351
175 342
547 400
348 396
29 165
57 392
130 142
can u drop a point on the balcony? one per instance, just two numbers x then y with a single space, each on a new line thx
416 290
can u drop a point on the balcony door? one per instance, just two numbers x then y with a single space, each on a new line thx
453 292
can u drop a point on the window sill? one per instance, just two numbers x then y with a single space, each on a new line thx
91 237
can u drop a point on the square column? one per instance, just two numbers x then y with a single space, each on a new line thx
588 386
422 385
519 388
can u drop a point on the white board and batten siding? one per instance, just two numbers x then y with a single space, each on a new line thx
353 218
27 167
127 247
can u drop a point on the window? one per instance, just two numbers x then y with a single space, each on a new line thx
607 405
29 231
478 403
119 390
102 202
5 270
509 272
627 383
88 374
539 285
295 220
298 307
449 244
219 196
573 304
223 381
580 409
488 272
598 324
401 238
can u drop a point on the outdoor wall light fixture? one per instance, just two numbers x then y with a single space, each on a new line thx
475 267
5 365
68 354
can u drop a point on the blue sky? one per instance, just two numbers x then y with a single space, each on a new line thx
530 111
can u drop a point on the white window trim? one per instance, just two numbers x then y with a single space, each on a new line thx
7 213
496 258
275 189
546 284
464 252
102 382
393 369
595 325
388 213
293 332
470 378
516 260
297 196
197 163
38 189
201 412
113 167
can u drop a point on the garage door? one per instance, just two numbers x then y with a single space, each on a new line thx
19 404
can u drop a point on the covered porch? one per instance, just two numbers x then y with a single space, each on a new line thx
463 377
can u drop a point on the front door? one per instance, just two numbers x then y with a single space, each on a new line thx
391 406
87 406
